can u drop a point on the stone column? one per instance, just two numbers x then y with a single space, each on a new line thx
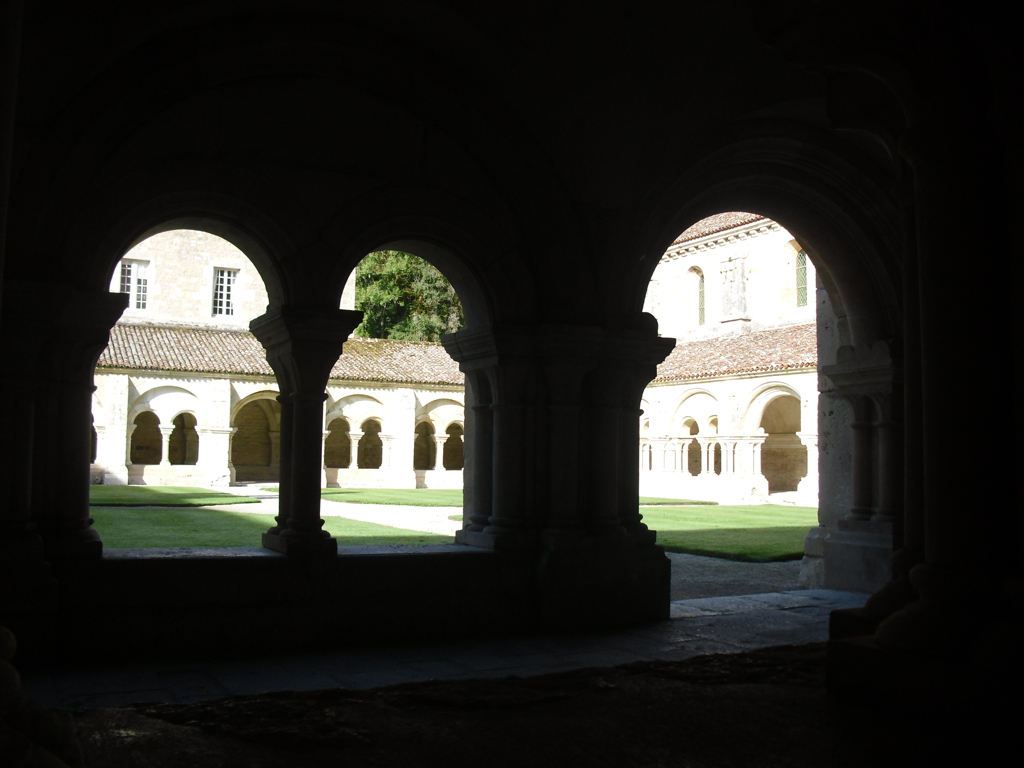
275 451
353 446
562 433
808 485
965 578
302 346
68 344
439 454
478 457
858 553
165 446
128 432
323 459
215 455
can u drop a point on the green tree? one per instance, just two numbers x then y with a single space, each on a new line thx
405 297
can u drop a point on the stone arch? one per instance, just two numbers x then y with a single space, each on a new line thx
147 443
338 444
424 447
371 447
183 444
357 408
267 400
693 458
166 401
255 443
440 413
697 405
820 194
783 457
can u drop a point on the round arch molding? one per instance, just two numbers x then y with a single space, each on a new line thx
837 205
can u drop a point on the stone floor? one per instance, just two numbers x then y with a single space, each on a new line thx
700 626
718 606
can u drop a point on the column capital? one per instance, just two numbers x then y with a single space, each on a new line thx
303 343
567 344
64 343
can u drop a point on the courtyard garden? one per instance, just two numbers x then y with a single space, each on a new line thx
156 516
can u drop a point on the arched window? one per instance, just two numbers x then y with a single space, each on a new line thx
338 445
183 446
424 453
453 456
147 442
801 279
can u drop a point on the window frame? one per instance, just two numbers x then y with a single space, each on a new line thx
223 299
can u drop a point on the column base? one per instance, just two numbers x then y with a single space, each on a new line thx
301 546
601 585
858 556
498 541
27 578
72 545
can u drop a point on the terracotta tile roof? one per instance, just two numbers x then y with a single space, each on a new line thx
204 350
777 349
720 222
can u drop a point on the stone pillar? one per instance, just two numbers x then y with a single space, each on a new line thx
215 455
275 451
964 579
165 446
552 429
439 451
323 459
302 346
858 553
808 485
129 430
353 439
66 346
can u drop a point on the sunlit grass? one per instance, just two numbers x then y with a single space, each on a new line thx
190 527
161 495
764 533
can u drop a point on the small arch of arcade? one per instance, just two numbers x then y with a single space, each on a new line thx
255 453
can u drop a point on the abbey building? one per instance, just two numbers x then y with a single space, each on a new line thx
185 394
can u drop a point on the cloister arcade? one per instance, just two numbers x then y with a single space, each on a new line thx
545 170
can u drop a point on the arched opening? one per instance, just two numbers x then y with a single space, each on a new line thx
371 447
453 448
338 445
424 447
183 444
783 457
255 442
147 441
693 460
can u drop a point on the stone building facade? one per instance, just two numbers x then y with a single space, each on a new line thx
185 395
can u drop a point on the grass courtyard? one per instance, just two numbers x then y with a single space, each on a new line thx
153 516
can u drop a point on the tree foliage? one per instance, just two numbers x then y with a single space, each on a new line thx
405 297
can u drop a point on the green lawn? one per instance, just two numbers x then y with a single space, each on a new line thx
757 534
160 495
429 497
185 527
655 501
418 497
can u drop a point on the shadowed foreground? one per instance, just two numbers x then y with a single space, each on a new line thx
763 708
